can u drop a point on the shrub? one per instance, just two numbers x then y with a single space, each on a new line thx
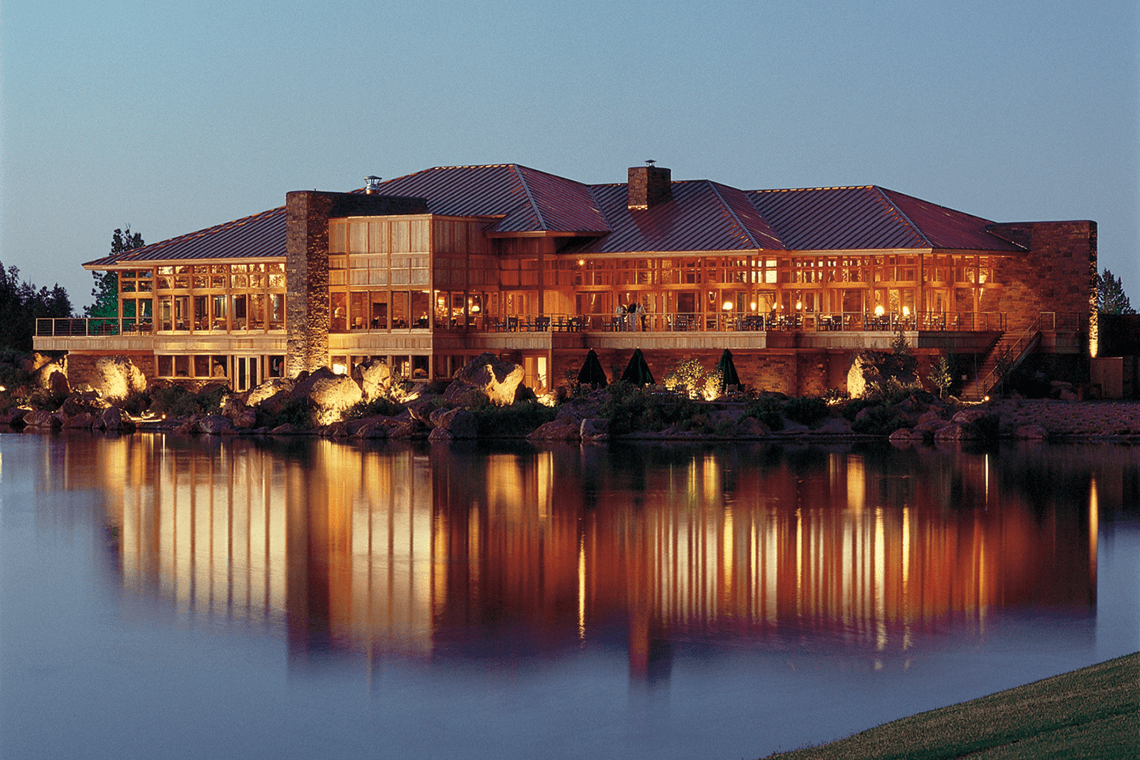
299 412
690 378
173 401
878 420
629 408
515 421
805 410
768 409
381 406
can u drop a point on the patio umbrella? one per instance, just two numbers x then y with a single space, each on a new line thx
592 372
637 371
727 370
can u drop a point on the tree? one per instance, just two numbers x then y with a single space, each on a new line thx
1110 296
106 290
942 375
21 303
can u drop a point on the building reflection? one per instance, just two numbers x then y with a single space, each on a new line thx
451 552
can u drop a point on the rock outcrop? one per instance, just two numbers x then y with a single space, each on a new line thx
486 379
116 377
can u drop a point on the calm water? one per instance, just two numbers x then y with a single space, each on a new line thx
164 597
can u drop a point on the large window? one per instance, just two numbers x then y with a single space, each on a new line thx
214 298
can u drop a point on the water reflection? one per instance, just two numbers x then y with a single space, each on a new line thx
519 553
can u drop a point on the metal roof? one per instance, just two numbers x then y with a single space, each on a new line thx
869 218
947 228
701 216
526 199
260 236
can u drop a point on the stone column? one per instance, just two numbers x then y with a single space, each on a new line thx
307 277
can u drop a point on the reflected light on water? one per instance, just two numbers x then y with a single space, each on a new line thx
405 552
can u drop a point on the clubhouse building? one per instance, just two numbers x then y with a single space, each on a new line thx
429 270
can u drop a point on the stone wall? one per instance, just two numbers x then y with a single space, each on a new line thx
307 278
1057 273
81 367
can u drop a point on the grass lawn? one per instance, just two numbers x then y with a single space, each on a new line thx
1089 713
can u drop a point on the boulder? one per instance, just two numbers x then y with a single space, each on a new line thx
421 411
1031 433
833 426
750 427
486 378
270 388
372 430
557 430
906 436
331 394
52 376
115 420
458 422
375 379
595 429
37 418
216 424
81 421
13 417
116 377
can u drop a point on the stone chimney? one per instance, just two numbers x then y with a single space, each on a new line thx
649 185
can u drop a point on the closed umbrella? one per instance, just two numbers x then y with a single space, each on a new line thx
727 371
592 372
637 371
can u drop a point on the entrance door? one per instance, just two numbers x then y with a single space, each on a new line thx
246 372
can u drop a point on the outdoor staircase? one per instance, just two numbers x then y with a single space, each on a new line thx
1003 357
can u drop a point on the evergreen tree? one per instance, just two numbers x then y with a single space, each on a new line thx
21 303
1110 296
106 290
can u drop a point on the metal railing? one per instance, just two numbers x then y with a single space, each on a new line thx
738 322
93 327
649 322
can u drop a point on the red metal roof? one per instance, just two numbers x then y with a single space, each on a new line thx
946 228
527 200
701 216
869 218
261 236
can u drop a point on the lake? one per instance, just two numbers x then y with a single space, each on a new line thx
171 597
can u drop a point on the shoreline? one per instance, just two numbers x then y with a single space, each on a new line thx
1091 712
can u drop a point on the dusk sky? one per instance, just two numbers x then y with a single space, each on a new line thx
172 117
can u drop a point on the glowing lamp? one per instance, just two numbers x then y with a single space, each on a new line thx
727 306
878 311
906 311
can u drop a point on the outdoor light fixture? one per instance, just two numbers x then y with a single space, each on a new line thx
799 304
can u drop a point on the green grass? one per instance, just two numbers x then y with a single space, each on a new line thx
1089 713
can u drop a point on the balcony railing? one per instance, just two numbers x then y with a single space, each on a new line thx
731 321
656 322
92 327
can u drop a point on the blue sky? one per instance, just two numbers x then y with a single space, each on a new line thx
171 117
